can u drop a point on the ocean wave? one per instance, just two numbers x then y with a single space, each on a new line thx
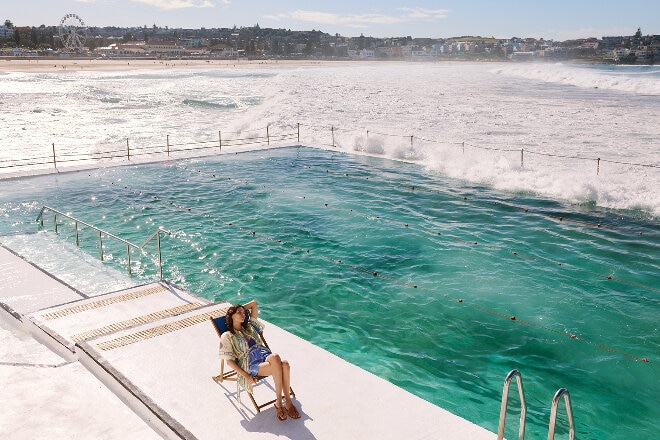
643 80
419 113
628 188
222 103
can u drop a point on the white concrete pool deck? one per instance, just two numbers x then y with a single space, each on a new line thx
137 364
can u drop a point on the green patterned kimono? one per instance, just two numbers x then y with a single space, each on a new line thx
235 347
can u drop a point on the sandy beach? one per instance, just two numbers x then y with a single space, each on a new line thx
50 64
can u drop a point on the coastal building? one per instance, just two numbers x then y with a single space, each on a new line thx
166 48
123 50
611 42
588 45
193 42
367 53
224 51
642 53
522 56
6 32
620 53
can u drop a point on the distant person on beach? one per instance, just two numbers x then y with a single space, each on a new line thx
241 342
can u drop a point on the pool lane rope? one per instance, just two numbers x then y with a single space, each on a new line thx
374 273
433 232
421 188
406 225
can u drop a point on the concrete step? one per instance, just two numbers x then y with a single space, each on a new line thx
89 318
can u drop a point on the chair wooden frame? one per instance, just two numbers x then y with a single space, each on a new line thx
220 327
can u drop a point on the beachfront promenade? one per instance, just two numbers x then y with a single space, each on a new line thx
137 364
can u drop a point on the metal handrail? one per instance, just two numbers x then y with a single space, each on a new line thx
101 232
569 414
505 398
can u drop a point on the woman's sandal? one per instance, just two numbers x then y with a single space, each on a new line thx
280 413
293 412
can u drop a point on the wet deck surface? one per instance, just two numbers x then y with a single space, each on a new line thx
153 350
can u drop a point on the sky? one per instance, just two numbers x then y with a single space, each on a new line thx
558 20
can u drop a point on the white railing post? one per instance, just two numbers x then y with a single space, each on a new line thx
505 398
553 414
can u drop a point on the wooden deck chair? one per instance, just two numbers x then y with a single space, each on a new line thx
220 326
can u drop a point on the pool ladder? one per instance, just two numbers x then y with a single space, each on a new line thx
101 233
523 408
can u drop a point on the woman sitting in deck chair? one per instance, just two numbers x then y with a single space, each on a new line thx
241 342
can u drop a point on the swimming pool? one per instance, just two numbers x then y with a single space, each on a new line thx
410 275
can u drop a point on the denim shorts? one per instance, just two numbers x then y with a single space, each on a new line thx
258 355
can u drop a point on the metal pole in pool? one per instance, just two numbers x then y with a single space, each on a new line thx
160 261
101 244
54 160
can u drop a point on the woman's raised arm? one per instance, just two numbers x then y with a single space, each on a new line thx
252 309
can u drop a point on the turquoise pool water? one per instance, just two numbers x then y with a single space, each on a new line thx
407 274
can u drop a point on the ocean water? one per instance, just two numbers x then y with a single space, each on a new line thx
406 258
468 121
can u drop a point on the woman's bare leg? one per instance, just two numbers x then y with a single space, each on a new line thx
281 372
273 367
286 381
286 384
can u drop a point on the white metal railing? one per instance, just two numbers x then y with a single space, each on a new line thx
505 398
101 233
523 409
569 414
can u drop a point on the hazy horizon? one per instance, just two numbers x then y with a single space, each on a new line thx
425 19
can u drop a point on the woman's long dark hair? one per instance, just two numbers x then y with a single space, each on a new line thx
230 315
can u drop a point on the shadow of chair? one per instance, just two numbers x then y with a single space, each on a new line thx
220 326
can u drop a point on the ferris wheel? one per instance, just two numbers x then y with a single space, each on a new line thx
73 32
